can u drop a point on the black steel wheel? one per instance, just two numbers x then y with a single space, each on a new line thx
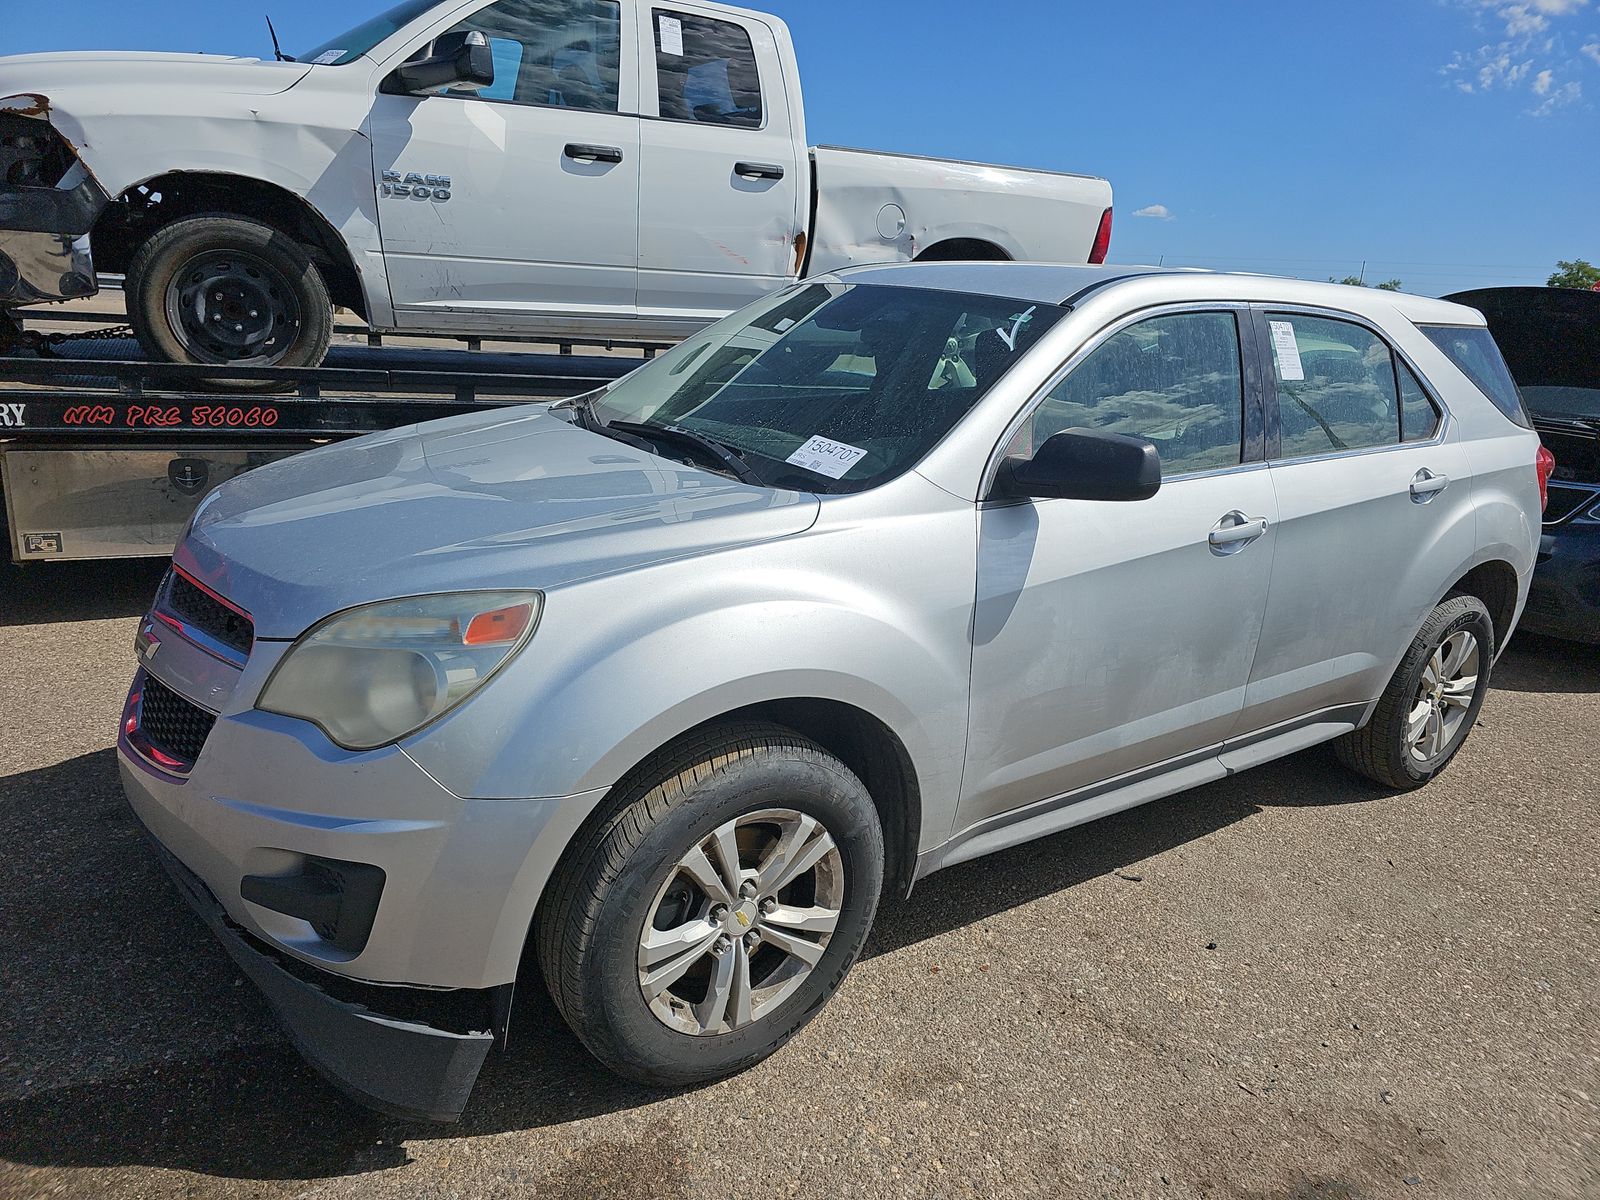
227 291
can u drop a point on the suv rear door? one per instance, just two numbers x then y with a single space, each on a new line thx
723 173
1375 508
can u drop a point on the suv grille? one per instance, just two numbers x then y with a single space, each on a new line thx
1565 501
196 607
171 724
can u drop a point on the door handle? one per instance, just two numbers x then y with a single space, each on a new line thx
585 153
1425 485
755 170
1235 531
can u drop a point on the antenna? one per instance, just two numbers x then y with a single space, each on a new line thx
277 50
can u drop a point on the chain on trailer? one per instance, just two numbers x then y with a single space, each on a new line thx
15 339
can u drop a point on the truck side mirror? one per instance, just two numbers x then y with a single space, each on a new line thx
1083 464
461 61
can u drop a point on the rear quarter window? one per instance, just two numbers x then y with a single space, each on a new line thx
1473 351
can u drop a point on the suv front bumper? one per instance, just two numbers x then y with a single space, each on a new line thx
405 1068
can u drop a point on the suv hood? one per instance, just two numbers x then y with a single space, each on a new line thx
517 499
58 75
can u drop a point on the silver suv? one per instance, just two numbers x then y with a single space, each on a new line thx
893 569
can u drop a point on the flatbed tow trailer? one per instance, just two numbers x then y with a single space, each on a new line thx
107 458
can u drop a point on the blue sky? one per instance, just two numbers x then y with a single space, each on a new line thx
1449 143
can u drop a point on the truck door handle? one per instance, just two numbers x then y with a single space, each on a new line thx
1425 485
585 153
754 170
1235 531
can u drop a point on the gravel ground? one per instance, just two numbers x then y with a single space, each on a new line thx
1284 985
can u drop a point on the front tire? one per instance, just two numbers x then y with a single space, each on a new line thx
1432 702
715 907
228 291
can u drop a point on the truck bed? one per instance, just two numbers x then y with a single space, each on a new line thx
870 207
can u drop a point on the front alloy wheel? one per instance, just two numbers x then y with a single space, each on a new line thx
713 905
742 922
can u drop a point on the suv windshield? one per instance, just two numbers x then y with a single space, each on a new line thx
827 387
349 46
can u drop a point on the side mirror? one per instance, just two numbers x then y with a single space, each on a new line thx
1081 464
461 61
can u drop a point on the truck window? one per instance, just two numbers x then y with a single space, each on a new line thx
706 71
551 53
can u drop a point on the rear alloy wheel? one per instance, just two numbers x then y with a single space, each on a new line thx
228 291
1432 701
714 906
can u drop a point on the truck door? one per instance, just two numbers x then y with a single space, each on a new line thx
521 199
723 176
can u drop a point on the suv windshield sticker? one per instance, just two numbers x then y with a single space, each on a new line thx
827 457
1287 351
327 58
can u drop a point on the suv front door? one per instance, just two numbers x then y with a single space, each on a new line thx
538 208
1112 638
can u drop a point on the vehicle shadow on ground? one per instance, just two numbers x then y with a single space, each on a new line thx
109 975
1541 664
46 593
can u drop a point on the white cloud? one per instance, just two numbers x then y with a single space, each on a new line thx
1567 93
1159 212
1528 47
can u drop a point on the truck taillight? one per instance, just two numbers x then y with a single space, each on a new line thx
1545 464
1102 239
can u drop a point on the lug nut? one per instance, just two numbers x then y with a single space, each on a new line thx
720 947
769 906
752 940
747 889
719 912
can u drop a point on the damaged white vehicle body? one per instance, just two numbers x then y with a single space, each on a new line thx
561 168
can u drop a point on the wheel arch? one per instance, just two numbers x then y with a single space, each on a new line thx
963 249
1496 584
162 199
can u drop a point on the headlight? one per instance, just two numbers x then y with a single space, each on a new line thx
373 675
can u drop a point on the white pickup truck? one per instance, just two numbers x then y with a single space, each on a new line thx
570 168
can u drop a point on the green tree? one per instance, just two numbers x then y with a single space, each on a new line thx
1388 285
1576 274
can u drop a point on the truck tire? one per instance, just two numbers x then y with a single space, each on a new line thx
1432 701
676 964
228 290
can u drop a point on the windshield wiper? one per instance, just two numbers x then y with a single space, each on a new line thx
707 447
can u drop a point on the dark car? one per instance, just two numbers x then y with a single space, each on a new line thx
1551 341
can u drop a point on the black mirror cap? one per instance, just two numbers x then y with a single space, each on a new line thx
1084 464
462 61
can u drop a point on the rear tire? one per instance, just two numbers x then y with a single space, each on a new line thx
228 291
1425 714
634 901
